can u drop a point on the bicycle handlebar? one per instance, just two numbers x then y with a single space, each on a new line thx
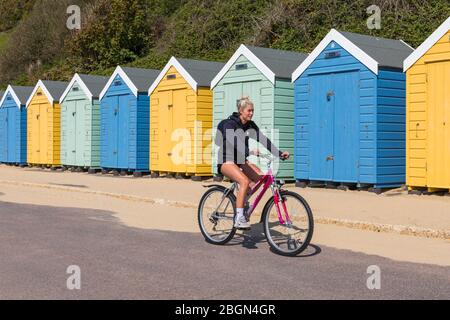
269 157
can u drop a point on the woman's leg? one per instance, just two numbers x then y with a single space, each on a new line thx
252 172
232 171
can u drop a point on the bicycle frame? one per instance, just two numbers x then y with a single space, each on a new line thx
289 244
266 181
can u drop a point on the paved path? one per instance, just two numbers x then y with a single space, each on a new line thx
38 243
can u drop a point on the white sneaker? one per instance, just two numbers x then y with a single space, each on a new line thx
241 223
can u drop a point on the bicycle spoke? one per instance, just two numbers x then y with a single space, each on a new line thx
216 216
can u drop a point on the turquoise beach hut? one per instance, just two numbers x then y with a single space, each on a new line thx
80 122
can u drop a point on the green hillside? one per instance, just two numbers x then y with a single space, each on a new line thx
146 33
4 37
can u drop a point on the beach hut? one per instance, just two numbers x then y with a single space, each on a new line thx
2 92
80 122
181 118
350 112
125 120
13 125
428 112
44 124
264 75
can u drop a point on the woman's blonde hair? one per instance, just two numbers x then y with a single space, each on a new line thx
242 102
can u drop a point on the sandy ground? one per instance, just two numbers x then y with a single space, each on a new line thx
394 207
163 217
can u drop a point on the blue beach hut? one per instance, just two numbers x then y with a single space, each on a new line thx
125 120
350 112
13 125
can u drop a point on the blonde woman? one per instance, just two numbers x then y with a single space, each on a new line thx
232 137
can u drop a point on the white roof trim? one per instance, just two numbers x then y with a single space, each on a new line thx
76 79
406 44
244 51
339 38
41 85
427 44
119 71
14 96
173 62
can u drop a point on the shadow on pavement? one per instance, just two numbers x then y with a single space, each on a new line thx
250 240
69 185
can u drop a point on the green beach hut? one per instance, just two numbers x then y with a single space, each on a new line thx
264 75
80 122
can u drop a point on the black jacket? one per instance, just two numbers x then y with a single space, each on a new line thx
232 139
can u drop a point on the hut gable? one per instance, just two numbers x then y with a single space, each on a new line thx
272 63
373 52
427 44
196 73
52 90
91 85
19 94
136 79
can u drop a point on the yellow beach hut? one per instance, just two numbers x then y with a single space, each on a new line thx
428 112
181 118
44 123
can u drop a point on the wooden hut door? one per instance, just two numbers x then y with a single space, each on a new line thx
334 127
11 135
31 134
38 144
71 122
165 131
438 150
112 131
182 143
321 128
252 89
80 132
125 102
232 92
346 127
3 134
235 91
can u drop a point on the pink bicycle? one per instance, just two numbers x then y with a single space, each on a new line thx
287 217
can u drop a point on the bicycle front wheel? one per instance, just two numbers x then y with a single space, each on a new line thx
289 239
216 216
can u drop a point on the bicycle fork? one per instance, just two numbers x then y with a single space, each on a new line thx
277 198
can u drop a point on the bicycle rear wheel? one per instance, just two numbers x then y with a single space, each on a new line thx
216 216
289 239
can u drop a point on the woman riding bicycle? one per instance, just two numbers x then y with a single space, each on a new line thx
232 137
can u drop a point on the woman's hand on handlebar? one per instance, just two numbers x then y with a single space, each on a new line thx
285 155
